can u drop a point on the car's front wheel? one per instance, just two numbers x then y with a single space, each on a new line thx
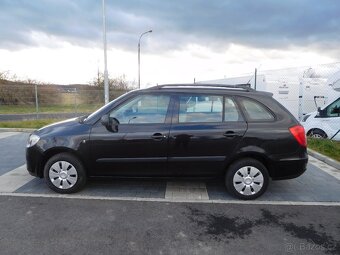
64 173
318 133
247 179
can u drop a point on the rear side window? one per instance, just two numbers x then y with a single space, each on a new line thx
200 108
256 111
231 112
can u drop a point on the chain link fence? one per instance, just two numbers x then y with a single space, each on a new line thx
50 101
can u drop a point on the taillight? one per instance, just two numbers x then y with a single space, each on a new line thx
299 134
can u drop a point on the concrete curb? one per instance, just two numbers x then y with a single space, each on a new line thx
27 130
325 159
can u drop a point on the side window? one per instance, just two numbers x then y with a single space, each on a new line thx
231 112
200 108
143 109
256 111
333 110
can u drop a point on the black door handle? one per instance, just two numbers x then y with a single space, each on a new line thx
229 134
158 136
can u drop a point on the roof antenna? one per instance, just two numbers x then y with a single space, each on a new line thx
251 77
254 75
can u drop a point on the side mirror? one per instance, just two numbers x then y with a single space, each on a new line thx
114 124
111 124
321 113
105 120
335 110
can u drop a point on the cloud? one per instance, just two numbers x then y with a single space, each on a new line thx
176 24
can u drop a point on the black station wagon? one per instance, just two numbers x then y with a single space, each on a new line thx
205 130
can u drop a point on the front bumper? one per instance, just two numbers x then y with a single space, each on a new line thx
34 158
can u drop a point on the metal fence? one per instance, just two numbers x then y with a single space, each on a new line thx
22 101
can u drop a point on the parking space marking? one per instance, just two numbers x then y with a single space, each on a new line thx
12 180
325 167
8 134
248 202
180 191
186 191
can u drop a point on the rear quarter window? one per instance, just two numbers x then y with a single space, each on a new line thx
256 111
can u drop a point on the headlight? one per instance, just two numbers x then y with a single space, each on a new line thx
32 140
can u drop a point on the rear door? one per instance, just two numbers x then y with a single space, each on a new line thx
205 130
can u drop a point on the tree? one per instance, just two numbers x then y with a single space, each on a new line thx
7 76
117 83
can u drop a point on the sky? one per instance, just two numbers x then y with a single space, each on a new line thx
61 41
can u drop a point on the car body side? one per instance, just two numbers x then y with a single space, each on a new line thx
270 142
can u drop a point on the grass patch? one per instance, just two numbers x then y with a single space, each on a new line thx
326 147
27 123
14 109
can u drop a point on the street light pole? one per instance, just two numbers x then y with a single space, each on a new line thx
150 31
106 79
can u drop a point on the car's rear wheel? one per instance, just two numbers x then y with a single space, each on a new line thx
247 179
64 173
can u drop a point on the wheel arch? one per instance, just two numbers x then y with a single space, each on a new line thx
54 151
254 155
311 130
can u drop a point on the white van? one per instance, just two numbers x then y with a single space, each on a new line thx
324 123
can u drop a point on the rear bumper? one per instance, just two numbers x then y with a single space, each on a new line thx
288 168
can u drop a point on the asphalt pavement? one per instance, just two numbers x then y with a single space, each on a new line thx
80 226
299 216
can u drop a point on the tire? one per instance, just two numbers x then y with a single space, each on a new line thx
318 133
64 173
247 179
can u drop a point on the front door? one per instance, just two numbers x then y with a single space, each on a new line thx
330 120
204 133
139 145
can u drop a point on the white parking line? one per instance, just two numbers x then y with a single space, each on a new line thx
325 167
11 181
186 190
7 134
250 202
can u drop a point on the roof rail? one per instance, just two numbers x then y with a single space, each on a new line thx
245 86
